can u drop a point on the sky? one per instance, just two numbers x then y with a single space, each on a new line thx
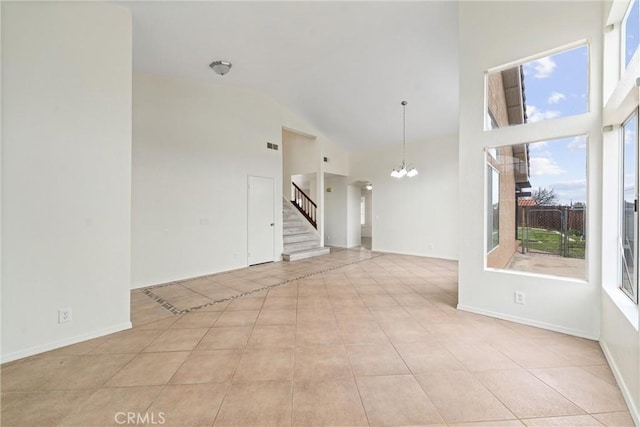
632 31
556 86
629 160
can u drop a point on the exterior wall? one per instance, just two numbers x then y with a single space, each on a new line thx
496 100
500 256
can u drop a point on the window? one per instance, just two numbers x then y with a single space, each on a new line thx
555 85
363 212
629 209
493 208
536 209
631 32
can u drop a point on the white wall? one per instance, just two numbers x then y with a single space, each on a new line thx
416 216
194 147
569 306
366 228
300 156
337 158
353 216
338 163
335 216
66 173
620 338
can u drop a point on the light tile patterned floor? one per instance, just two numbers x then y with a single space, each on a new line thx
361 339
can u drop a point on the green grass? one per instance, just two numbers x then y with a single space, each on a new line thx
550 241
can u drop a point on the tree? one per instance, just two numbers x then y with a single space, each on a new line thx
545 196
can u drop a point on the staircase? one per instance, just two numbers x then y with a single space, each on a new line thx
301 240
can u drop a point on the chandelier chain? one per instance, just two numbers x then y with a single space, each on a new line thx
404 126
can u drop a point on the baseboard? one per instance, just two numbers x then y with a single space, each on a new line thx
624 389
64 342
421 255
529 322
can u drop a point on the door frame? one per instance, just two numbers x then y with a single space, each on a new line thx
273 216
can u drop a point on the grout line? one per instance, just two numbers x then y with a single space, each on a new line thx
295 347
165 304
346 353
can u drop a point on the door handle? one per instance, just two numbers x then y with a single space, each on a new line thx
273 223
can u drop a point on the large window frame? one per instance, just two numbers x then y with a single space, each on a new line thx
628 217
491 121
493 207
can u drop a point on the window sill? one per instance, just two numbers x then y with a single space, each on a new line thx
627 307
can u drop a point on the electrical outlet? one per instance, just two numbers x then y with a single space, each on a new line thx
519 297
64 315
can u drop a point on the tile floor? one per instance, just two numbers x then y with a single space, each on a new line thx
359 339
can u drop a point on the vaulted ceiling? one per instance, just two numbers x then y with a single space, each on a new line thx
344 66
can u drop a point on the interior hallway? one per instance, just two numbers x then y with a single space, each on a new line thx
352 338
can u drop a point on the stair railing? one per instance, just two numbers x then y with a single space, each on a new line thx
305 205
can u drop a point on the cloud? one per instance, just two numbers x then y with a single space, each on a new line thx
536 146
543 67
571 185
571 191
556 97
578 143
534 114
545 166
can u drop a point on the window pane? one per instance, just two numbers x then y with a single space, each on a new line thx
629 220
542 210
631 34
545 88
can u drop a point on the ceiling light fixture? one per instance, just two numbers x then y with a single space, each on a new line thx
402 170
369 187
220 67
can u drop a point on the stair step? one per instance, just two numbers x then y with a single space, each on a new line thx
294 224
299 246
291 221
290 224
306 253
294 230
299 237
297 234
